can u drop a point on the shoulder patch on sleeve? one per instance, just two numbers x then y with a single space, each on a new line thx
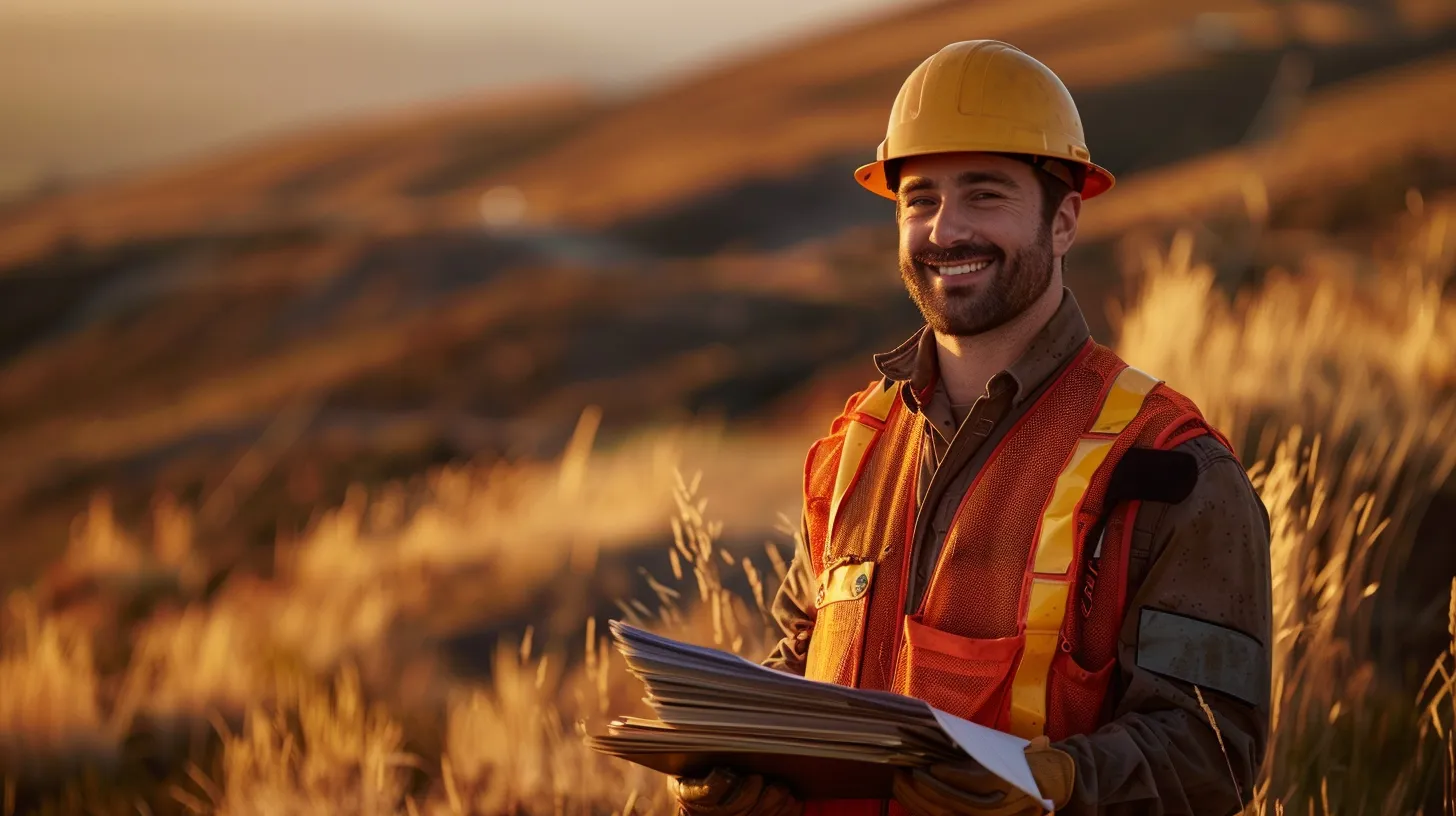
1204 654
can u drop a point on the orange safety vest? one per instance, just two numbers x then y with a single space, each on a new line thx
1018 627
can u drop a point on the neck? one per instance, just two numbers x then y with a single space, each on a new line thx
967 363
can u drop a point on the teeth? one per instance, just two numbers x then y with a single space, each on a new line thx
964 268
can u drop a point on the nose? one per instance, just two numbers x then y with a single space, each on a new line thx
951 226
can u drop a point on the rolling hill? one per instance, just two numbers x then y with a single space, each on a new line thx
695 250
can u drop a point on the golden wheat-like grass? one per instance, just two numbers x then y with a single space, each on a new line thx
1337 387
50 705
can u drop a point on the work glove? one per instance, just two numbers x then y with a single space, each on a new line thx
954 788
725 793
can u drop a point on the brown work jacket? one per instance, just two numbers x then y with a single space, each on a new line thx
1198 584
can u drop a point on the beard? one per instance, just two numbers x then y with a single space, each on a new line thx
1018 280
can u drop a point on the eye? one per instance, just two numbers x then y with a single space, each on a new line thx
984 195
920 201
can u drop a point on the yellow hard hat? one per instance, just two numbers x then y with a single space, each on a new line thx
984 96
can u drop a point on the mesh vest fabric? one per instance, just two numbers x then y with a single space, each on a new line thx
859 633
960 649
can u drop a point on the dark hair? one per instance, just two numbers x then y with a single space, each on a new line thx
1053 192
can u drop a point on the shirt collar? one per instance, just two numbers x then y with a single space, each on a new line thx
915 365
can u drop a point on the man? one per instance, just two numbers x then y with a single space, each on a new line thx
1012 524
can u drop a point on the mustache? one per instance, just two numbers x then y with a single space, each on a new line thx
951 256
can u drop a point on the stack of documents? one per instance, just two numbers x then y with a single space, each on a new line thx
716 709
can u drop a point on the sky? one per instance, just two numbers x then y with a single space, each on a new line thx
96 87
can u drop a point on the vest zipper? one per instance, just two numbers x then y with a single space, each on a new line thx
911 512
900 609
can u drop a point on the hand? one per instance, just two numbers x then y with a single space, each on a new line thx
953 788
725 793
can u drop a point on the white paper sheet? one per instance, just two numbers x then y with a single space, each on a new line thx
1001 754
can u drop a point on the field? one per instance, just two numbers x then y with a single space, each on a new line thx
316 491
322 686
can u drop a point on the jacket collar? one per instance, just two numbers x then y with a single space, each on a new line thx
915 366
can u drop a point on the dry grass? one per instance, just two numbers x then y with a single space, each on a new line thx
1438 699
50 706
319 688
317 753
1340 388
357 599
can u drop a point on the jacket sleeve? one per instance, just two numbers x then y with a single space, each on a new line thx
1201 617
793 610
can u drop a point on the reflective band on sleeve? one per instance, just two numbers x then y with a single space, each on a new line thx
1204 654
1056 546
857 439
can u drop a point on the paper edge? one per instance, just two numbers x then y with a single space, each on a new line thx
1010 765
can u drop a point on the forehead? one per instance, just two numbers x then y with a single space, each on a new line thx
943 169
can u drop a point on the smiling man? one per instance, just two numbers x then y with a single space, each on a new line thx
1013 524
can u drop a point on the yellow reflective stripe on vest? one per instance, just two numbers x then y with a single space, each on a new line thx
1057 539
857 439
1056 545
1124 400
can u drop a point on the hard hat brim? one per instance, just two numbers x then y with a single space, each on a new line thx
872 177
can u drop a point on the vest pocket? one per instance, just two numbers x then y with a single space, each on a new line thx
967 677
1075 696
842 603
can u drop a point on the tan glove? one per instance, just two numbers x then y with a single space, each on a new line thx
954 788
725 793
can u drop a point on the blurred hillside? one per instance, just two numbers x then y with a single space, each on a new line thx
357 303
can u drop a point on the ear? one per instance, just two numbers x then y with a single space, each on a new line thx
1064 224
